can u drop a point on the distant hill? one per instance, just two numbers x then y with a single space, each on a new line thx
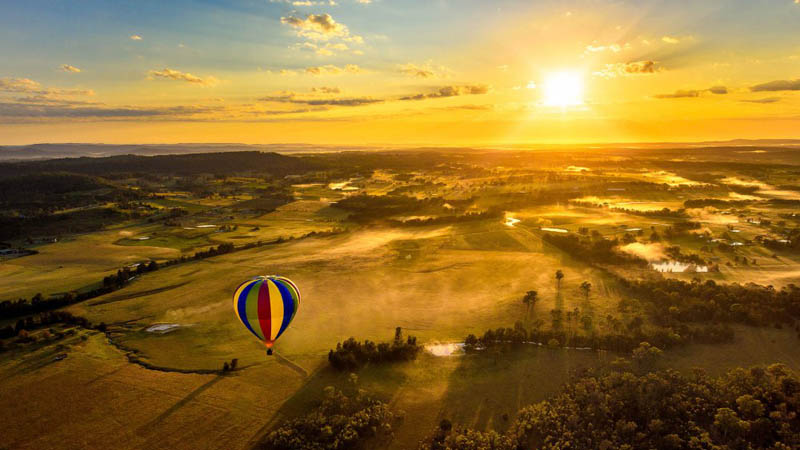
53 151
191 164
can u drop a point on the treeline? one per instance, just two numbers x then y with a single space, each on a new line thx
664 212
15 308
44 193
716 203
23 326
594 249
191 164
11 309
351 354
514 201
505 339
45 224
670 301
743 409
342 421
366 208
675 253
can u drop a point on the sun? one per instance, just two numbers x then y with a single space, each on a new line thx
563 89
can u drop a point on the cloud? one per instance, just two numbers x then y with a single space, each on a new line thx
614 48
68 68
680 94
764 100
306 2
628 69
48 110
294 98
334 70
717 90
426 70
777 85
451 91
326 90
328 49
28 86
177 75
670 40
135 37
320 27
18 85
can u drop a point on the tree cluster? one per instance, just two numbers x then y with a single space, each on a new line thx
340 422
743 409
671 301
352 355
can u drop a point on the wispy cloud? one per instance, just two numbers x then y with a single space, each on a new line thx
777 85
765 100
451 91
68 68
333 70
426 70
28 86
177 75
295 98
326 90
135 37
694 93
600 48
629 68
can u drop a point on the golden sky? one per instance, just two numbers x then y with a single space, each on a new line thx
399 72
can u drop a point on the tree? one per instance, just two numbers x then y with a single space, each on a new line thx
645 356
559 277
586 288
530 299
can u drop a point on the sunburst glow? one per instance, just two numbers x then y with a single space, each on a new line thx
563 89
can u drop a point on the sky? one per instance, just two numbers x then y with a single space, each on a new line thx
398 72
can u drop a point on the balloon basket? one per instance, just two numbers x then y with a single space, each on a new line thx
269 352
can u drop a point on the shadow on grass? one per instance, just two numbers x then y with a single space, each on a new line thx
180 404
380 381
486 390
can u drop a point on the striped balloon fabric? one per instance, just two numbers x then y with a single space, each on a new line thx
266 306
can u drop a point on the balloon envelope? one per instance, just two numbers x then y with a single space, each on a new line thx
266 306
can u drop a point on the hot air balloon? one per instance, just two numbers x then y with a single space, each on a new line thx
266 306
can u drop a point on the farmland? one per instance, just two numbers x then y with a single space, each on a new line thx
443 244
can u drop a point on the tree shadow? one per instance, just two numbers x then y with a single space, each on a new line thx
379 381
487 389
